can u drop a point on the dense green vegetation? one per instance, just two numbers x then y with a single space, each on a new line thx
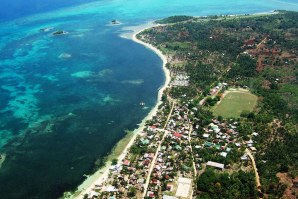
224 186
174 19
245 66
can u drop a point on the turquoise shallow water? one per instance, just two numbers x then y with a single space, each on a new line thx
66 100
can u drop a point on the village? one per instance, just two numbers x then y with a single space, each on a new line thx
172 151
207 117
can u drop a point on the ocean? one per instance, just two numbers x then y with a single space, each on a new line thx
66 100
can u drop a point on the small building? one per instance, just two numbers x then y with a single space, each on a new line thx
126 162
178 135
170 186
253 148
178 147
208 144
150 194
216 165
244 157
92 194
237 144
223 154
111 189
144 141
255 134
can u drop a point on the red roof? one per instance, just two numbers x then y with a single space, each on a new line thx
126 162
178 135
250 42
146 162
153 127
154 181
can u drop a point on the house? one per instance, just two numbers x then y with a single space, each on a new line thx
146 162
126 162
177 135
249 42
208 144
216 165
237 144
141 181
144 141
253 148
244 157
150 194
255 134
170 186
92 194
249 142
111 189
223 154
178 147
115 167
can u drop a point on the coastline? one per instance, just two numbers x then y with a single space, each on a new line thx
102 174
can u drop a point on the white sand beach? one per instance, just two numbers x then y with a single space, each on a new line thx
102 174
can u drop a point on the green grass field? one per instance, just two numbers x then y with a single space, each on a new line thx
234 102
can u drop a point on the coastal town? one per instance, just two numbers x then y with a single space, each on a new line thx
193 137
171 151
153 99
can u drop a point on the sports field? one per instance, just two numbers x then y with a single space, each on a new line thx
234 102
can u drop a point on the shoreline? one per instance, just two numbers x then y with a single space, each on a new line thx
102 174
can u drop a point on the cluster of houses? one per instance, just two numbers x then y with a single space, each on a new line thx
163 162
175 154
127 178
135 166
180 80
165 159
267 52
217 88
173 175
218 141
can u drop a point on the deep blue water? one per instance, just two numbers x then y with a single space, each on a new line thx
66 100
12 9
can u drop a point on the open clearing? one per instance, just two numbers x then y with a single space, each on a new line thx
234 102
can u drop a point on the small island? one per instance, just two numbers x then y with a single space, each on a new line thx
60 32
115 22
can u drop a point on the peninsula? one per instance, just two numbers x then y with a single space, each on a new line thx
225 125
